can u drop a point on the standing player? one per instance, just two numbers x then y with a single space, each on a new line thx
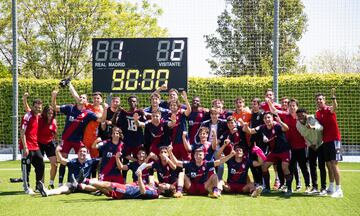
157 132
269 96
311 130
76 120
256 139
241 112
155 100
326 115
31 153
90 132
213 124
105 129
273 134
133 135
178 126
219 105
47 131
197 116
200 178
296 141
109 148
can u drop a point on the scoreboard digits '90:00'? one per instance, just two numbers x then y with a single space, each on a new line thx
139 64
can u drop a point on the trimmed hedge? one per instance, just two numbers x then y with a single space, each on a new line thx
302 87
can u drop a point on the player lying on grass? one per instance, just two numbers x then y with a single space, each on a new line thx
140 190
238 168
79 168
200 178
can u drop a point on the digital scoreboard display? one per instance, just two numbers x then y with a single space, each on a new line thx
139 64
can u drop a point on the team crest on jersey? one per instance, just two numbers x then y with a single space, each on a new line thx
109 154
191 122
193 174
232 171
257 117
71 118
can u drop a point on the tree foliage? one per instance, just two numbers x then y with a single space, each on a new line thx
242 43
339 62
55 35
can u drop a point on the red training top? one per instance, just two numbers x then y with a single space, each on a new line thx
46 131
328 120
29 123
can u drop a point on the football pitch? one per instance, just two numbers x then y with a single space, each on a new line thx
13 201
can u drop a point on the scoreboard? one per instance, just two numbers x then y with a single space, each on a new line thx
139 64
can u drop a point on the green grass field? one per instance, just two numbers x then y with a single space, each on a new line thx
13 201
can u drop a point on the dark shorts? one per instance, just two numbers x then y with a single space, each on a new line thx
236 188
68 145
332 151
180 152
197 189
275 157
48 149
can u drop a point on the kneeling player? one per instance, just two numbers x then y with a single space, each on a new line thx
200 178
238 168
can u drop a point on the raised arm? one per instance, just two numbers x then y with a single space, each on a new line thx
170 162
186 141
284 127
163 87
53 101
224 159
97 143
140 182
25 103
137 122
333 101
74 93
103 117
119 164
214 142
173 158
221 149
59 157
188 107
247 129
271 106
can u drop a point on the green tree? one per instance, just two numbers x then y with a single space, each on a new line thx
55 36
4 71
242 43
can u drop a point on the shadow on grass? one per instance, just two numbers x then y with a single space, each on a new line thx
281 195
11 193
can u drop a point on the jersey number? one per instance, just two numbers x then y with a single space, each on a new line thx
131 125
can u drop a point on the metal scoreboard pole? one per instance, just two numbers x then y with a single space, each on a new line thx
276 50
15 108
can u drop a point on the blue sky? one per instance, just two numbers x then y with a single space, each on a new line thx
334 25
